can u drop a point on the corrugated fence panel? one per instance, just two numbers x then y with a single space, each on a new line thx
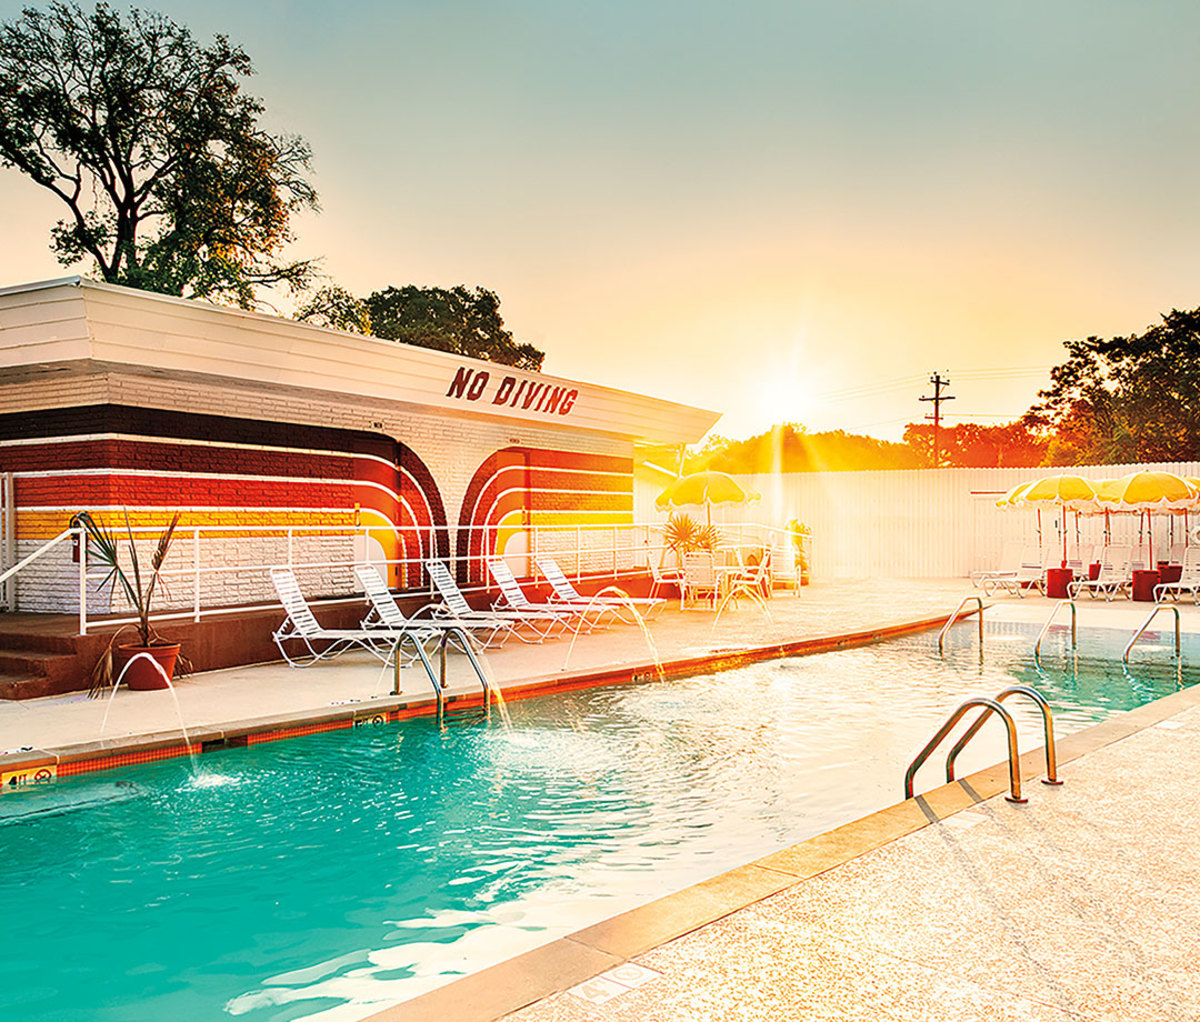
930 524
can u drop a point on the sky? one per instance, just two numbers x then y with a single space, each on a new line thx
785 211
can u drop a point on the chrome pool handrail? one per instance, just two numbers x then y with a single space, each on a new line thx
1047 730
1146 624
438 678
1037 646
953 618
1014 756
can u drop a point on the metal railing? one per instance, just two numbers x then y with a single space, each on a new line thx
1047 732
217 581
1014 756
1146 624
1037 646
954 617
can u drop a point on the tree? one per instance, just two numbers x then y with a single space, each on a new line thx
147 138
460 320
336 308
967 445
1134 398
791 448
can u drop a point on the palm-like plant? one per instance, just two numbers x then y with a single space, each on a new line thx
104 548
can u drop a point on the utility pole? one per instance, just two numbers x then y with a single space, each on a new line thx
937 399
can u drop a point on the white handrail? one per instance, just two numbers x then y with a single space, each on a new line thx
49 544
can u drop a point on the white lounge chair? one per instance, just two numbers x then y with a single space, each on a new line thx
300 626
567 594
1010 562
385 613
1115 574
1029 575
753 578
455 608
1189 579
514 599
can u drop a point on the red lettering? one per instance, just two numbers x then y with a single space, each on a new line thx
477 385
505 388
461 379
568 402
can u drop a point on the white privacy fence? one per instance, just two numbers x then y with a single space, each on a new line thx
925 523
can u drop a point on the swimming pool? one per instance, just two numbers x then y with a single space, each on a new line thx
328 876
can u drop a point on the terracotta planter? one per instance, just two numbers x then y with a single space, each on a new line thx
142 675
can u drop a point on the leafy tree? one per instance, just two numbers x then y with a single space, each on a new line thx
337 308
1134 398
147 138
791 448
967 445
460 320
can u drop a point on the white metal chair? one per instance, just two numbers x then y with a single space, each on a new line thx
702 582
300 626
1010 562
514 599
1189 579
663 577
1030 574
454 606
567 594
1115 574
386 613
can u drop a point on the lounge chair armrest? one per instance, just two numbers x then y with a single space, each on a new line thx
429 610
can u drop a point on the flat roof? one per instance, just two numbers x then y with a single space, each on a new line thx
80 326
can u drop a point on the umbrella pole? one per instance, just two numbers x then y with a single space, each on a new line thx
1064 535
1040 527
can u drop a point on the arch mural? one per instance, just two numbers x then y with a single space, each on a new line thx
521 488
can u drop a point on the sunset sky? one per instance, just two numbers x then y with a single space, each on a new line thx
788 211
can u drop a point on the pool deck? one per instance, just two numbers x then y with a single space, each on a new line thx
1082 904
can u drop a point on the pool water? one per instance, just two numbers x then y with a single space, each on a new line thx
329 876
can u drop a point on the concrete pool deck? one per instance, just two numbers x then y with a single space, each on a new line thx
1082 904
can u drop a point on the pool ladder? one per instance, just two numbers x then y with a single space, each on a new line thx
438 678
989 707
954 617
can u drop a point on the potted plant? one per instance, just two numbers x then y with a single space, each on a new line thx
105 549
683 535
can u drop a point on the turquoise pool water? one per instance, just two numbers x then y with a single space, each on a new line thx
328 876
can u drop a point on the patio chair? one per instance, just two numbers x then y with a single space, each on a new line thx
514 599
300 626
386 613
1115 574
1079 560
1030 574
702 582
455 608
785 568
753 576
664 577
1189 579
566 593
1010 562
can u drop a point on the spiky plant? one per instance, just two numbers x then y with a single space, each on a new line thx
104 548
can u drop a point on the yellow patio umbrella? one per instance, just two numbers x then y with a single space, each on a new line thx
1147 492
1066 492
707 488
1012 499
